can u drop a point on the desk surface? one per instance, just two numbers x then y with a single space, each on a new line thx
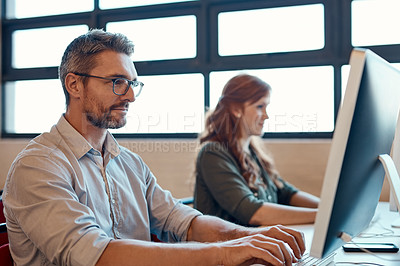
381 225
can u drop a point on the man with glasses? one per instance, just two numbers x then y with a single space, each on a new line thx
73 196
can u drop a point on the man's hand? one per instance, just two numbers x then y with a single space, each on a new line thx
294 238
277 245
257 248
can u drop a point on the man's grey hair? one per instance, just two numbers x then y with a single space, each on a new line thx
80 54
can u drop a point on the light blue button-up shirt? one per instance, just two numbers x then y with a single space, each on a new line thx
64 201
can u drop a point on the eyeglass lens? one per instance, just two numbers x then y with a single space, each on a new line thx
121 87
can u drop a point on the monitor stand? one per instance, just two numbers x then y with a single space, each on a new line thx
392 168
394 181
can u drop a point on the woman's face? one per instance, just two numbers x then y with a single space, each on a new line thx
253 117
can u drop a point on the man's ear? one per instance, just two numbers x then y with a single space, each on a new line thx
74 85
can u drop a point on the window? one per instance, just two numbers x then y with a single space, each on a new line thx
185 51
301 103
108 4
375 22
38 115
168 104
27 8
39 48
160 38
271 30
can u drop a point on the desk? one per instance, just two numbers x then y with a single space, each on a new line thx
381 221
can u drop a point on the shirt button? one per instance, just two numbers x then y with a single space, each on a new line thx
113 201
269 197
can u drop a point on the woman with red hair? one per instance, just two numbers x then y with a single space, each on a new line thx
235 179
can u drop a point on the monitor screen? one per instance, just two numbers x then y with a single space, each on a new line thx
364 130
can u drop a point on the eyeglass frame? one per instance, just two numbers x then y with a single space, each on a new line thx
135 83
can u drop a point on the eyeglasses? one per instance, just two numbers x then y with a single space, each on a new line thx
120 85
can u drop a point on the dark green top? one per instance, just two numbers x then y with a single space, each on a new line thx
222 191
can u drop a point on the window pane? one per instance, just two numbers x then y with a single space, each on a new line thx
301 99
160 38
38 8
375 22
168 104
345 78
271 30
106 4
33 106
42 47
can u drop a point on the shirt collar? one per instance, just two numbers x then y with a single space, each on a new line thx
111 145
78 144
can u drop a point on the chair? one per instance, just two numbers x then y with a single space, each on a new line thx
187 201
3 231
5 255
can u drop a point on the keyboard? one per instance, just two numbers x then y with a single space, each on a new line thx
307 260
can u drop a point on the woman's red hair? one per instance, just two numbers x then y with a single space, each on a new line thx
223 126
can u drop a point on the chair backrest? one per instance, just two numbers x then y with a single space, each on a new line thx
3 231
2 218
5 255
3 228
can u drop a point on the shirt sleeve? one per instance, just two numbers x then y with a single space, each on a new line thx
286 192
170 220
221 174
40 185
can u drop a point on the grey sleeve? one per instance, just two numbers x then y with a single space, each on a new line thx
286 192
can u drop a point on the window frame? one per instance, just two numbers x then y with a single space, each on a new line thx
335 53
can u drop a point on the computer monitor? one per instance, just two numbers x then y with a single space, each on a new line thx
365 129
